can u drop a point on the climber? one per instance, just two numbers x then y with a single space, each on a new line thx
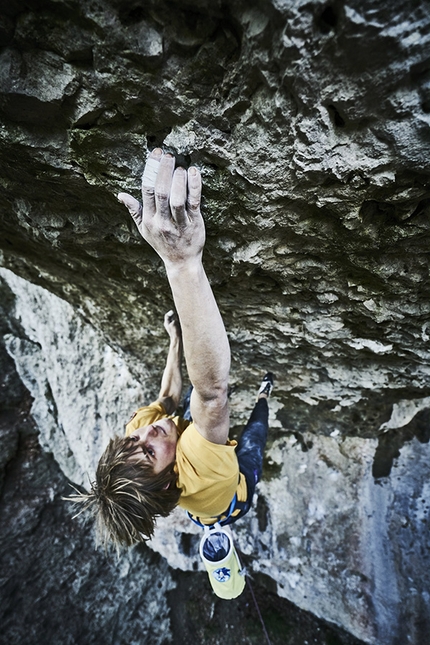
166 460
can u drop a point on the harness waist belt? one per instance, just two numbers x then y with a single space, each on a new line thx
235 505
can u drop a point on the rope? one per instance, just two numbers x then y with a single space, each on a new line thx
258 612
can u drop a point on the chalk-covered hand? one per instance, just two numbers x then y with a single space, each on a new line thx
170 219
172 325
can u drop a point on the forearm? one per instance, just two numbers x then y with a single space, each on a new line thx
171 382
206 347
171 222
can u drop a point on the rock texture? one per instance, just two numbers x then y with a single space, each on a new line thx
310 123
54 586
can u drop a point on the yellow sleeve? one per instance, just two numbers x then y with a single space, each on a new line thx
151 413
145 416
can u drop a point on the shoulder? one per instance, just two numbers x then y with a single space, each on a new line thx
144 416
195 446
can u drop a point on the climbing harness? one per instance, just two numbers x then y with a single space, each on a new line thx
228 515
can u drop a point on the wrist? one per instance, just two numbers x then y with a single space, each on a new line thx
187 265
176 340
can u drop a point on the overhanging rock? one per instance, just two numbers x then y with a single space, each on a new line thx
310 123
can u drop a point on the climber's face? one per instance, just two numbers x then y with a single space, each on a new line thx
155 444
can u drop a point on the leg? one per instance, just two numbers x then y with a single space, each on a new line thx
186 414
252 442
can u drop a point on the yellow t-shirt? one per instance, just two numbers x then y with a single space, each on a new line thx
208 473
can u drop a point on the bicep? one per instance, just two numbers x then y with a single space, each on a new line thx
211 417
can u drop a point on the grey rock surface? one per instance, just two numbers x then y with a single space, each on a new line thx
82 389
55 587
310 124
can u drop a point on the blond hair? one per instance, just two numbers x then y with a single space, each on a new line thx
126 496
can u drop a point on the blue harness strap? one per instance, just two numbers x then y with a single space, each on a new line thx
235 505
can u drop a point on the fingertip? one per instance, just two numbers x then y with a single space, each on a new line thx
194 174
194 181
168 160
180 173
126 200
132 205
157 153
166 171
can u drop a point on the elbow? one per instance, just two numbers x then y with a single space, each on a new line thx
216 397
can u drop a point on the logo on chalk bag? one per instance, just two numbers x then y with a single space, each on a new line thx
222 574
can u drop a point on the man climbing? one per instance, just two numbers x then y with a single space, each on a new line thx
165 460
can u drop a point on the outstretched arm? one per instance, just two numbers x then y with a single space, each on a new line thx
171 223
206 347
171 382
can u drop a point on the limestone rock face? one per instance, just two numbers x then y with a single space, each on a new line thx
310 124
62 361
